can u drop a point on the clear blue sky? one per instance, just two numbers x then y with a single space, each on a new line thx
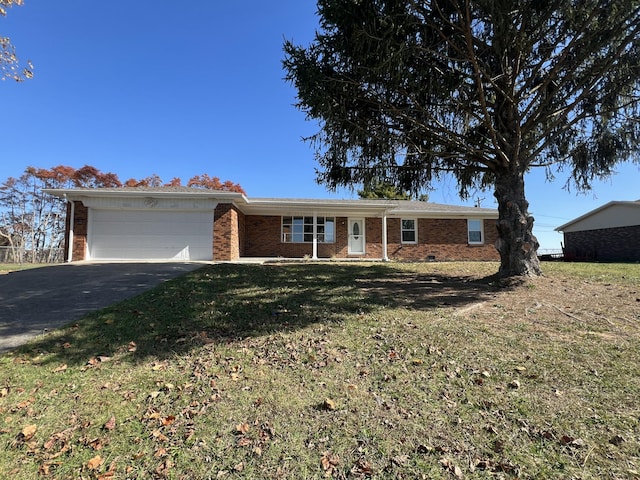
186 88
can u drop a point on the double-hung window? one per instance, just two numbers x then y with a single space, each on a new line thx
475 232
409 230
299 229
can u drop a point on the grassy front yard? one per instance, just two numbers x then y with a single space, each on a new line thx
12 267
341 371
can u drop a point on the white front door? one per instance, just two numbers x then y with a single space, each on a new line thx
356 236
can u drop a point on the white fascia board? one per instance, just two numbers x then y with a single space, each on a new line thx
296 207
73 193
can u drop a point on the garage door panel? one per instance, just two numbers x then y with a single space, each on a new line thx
152 235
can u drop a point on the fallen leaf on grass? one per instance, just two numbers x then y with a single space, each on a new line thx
328 404
362 468
111 423
242 428
27 433
161 452
570 441
25 403
164 467
95 462
159 436
329 462
449 465
60 368
166 421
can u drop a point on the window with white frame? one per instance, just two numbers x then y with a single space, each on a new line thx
409 230
300 229
475 232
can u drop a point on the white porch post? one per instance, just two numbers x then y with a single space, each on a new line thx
314 255
385 257
72 215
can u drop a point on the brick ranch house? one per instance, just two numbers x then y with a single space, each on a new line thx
609 233
180 224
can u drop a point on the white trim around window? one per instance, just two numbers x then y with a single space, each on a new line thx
409 230
475 231
300 229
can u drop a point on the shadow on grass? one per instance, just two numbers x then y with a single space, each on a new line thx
223 303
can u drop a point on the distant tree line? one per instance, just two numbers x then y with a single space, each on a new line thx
32 223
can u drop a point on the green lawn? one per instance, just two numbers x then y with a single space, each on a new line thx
337 371
12 267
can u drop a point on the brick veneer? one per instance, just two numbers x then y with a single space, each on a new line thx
438 239
442 239
606 244
80 221
228 232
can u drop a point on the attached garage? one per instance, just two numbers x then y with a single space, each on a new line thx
150 235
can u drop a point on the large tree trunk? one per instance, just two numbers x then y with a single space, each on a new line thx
516 243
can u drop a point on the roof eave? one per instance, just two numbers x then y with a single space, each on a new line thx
76 194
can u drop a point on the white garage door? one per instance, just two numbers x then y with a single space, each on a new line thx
150 235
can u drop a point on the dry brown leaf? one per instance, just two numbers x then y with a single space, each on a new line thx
95 462
161 452
242 428
166 421
111 423
25 403
329 461
28 432
244 442
60 368
329 404
158 435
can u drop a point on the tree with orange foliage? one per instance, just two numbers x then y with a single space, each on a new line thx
214 183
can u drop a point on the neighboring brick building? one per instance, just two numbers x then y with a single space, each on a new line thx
178 223
610 233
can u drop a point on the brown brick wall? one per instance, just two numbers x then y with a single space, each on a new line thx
606 244
443 239
228 227
263 239
80 223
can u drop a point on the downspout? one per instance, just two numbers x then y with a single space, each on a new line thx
385 256
72 215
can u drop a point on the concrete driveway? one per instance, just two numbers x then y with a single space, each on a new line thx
38 300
